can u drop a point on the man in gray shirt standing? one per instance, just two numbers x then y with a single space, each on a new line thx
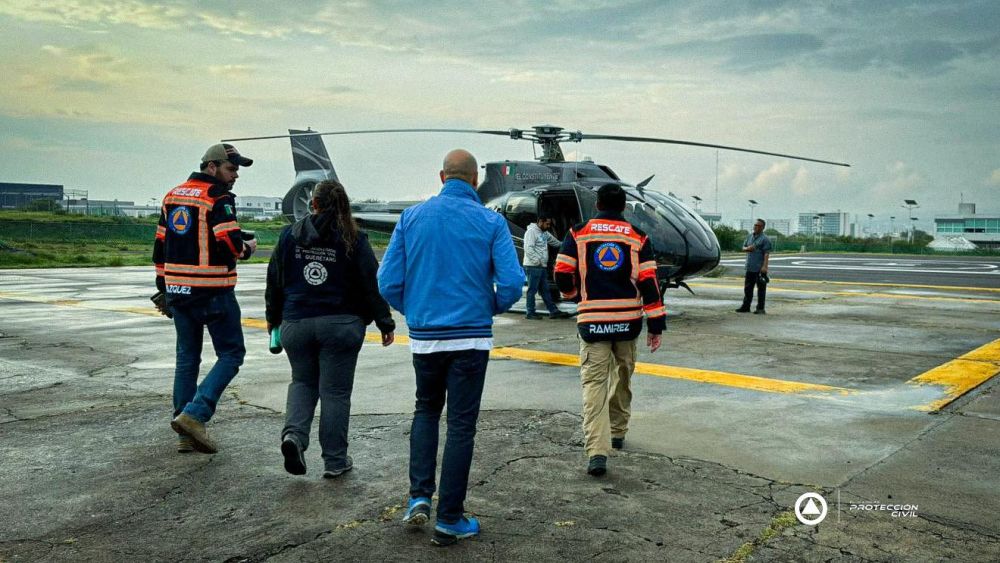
758 249
536 259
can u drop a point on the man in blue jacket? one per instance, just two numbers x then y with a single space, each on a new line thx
450 267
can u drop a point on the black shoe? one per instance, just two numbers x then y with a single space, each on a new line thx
759 312
533 317
618 443
334 473
560 315
295 461
598 465
743 310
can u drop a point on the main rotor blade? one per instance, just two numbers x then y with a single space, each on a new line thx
709 145
366 131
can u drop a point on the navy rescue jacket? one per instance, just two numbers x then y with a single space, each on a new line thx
197 241
607 264
311 274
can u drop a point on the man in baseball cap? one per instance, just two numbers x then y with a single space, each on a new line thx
223 151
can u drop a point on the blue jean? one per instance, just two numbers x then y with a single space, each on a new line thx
457 377
538 283
323 352
221 314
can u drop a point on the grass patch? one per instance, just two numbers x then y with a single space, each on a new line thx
83 255
777 525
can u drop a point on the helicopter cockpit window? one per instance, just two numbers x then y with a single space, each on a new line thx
497 204
662 232
521 208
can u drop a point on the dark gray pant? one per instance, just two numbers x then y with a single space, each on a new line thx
323 352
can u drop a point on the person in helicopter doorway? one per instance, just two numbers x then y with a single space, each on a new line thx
537 241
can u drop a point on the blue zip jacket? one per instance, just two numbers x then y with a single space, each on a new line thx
443 261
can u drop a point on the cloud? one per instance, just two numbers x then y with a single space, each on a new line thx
232 70
775 176
994 179
900 182
86 69
753 51
119 12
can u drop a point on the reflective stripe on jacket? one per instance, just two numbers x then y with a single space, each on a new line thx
197 240
607 264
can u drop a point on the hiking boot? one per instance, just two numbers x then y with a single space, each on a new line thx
295 459
598 465
759 312
533 317
418 511
334 473
618 443
447 534
743 310
187 425
185 444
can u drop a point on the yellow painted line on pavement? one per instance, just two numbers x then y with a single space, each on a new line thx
957 377
676 372
961 375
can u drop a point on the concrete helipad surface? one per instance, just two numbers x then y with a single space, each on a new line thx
876 396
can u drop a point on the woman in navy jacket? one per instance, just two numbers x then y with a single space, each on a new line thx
322 291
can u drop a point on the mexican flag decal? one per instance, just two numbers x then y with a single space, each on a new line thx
507 169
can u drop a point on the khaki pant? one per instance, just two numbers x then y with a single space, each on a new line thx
606 373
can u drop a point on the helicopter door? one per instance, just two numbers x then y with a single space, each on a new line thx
563 206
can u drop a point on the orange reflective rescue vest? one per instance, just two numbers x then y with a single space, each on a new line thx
197 240
608 265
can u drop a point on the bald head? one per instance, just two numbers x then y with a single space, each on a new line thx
461 165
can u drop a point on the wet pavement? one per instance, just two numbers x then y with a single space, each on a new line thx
872 396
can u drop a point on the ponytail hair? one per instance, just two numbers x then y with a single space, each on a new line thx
330 197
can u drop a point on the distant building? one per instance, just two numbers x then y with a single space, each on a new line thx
259 207
713 218
14 196
783 226
982 230
830 223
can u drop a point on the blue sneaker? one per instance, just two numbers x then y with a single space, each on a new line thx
418 512
447 534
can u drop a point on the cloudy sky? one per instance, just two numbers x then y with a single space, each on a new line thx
121 97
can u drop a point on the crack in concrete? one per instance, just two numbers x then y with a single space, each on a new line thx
537 341
956 525
139 399
235 395
990 417
945 417
507 464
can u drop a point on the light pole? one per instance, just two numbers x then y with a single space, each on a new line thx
697 202
870 217
892 231
821 216
753 204
913 223
910 205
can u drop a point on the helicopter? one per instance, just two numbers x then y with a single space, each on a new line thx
684 245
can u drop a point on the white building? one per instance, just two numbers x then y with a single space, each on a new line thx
830 223
982 230
783 226
259 207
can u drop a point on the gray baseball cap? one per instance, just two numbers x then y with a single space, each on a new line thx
223 151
